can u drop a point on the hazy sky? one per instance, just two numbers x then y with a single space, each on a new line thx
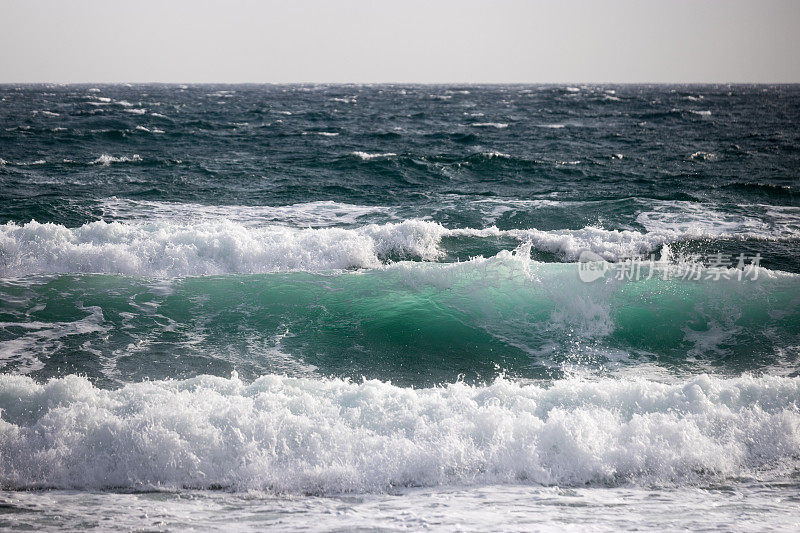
404 41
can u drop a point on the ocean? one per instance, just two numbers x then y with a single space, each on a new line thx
400 307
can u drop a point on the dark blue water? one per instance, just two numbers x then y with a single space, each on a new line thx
278 145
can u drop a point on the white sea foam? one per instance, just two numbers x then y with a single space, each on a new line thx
206 241
493 208
331 436
785 219
27 352
23 164
322 133
703 113
169 249
106 159
137 111
148 130
705 156
308 214
367 156
498 125
612 245
702 220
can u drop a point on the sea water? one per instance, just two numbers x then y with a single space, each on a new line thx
399 307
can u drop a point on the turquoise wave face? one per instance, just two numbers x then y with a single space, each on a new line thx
410 323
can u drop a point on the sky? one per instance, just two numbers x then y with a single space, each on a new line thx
374 41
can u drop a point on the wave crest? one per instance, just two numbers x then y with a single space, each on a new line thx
221 247
331 436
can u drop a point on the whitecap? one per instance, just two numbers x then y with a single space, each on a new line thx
106 159
367 156
498 125
705 156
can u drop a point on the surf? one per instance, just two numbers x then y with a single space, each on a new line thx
332 436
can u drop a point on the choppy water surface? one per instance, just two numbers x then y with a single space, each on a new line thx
336 306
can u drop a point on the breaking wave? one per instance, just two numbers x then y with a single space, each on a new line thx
171 247
323 436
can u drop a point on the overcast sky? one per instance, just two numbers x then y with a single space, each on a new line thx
400 41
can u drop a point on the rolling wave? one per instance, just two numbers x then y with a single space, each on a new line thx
328 436
411 322
171 247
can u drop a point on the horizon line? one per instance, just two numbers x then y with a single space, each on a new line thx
429 83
